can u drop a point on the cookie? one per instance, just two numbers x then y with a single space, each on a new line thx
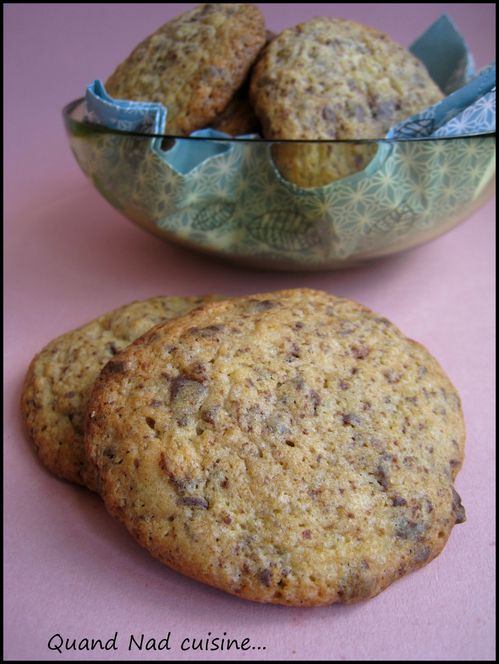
193 64
60 377
239 117
319 164
291 447
335 79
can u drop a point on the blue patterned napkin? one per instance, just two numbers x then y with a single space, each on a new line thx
469 110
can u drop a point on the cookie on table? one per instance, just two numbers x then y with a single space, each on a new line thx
291 447
60 378
194 64
335 79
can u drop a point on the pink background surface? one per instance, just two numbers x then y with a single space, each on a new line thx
70 569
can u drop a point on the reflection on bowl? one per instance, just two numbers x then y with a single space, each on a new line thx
307 205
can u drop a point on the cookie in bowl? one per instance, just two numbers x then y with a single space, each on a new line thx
194 64
333 79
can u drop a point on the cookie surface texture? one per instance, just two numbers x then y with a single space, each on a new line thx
61 376
193 64
291 447
239 117
335 79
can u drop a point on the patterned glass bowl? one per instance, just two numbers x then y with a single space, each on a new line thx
255 201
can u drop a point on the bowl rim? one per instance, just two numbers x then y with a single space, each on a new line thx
98 128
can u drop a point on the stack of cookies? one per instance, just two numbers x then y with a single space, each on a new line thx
290 447
323 80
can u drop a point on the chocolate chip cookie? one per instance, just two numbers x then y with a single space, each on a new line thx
334 79
239 117
194 64
292 447
60 377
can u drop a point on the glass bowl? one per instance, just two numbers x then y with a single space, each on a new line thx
299 205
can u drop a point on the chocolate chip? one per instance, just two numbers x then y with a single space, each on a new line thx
155 403
315 399
207 332
210 415
265 577
422 554
198 372
193 501
114 367
358 161
260 305
178 483
69 395
294 352
407 529
306 534
385 110
329 114
398 501
392 376
186 388
350 419
382 475
457 507
360 352
109 453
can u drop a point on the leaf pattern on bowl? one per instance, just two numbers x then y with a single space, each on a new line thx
420 189
284 229
217 215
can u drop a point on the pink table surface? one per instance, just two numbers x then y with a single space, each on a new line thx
69 568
